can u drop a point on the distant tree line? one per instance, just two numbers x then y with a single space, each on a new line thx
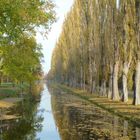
99 48
20 55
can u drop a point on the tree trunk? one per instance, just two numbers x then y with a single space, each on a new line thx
90 76
90 85
136 98
93 86
110 87
124 81
110 83
0 80
115 91
81 77
103 88
84 81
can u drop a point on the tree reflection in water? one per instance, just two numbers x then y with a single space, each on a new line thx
75 118
29 123
79 120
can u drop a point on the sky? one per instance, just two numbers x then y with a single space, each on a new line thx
62 8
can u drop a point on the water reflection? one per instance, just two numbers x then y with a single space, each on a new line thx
49 129
78 120
36 120
24 128
66 116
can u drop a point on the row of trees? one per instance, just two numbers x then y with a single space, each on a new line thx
20 55
99 48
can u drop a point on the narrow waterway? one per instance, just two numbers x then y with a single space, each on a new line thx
36 121
62 116
49 129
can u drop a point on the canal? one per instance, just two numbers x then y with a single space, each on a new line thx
62 116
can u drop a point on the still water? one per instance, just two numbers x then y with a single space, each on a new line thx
36 121
49 130
62 116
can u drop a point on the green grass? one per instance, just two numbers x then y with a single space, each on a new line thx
12 90
5 85
8 92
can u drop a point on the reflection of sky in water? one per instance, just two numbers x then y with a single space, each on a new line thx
49 129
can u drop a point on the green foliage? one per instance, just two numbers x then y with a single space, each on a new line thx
24 60
20 55
18 16
96 35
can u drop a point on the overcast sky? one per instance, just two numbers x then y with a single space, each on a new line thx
62 8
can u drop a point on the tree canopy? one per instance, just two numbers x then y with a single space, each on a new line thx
20 55
98 49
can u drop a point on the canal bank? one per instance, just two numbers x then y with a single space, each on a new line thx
62 115
124 110
79 119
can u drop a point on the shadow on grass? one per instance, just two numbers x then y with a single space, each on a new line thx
126 111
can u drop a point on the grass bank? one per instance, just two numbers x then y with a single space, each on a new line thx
126 111
8 90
